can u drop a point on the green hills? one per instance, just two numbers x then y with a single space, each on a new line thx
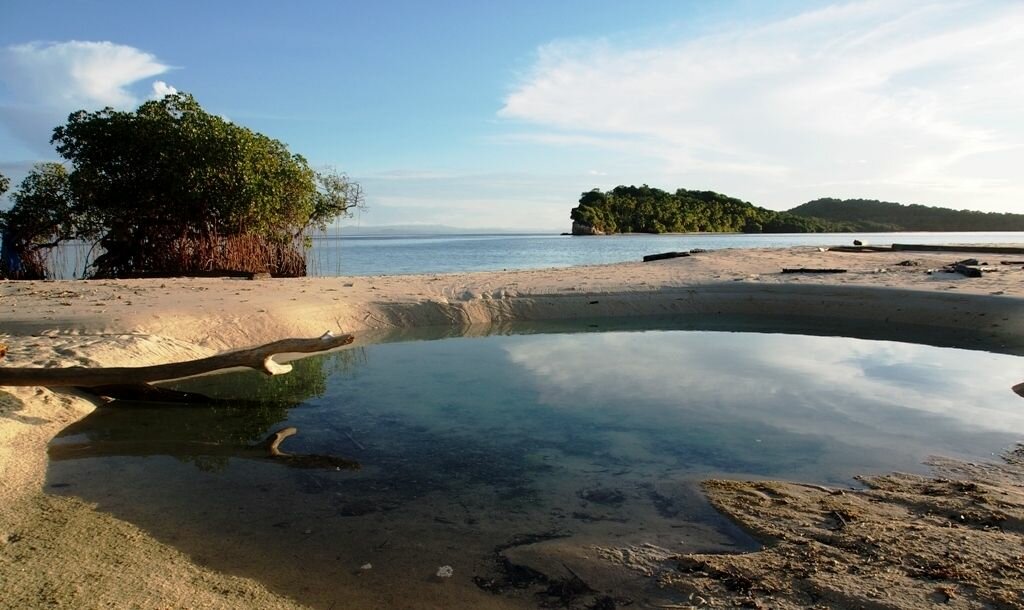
871 215
645 209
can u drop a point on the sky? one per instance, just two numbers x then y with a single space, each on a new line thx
486 115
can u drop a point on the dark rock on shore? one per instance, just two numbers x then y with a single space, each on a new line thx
578 228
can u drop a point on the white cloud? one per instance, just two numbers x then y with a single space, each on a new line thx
884 99
47 81
162 90
868 393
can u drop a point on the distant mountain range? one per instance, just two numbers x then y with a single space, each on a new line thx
644 209
871 215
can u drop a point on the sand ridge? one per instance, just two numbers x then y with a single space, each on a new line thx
226 313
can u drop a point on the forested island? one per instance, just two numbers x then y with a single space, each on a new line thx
645 209
871 215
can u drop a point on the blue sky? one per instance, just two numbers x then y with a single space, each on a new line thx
499 114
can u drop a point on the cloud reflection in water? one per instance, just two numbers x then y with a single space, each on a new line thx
862 394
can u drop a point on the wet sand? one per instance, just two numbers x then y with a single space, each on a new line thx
59 552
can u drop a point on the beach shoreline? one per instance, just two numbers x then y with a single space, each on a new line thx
60 552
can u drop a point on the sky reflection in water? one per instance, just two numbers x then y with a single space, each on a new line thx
901 401
467 444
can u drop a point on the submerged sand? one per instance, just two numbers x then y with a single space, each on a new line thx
897 545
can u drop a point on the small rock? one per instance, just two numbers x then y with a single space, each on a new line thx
366 566
445 572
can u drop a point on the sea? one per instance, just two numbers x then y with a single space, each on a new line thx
361 255
415 254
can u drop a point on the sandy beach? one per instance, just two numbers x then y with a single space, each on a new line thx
895 545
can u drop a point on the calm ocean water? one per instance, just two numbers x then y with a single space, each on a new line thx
456 253
395 255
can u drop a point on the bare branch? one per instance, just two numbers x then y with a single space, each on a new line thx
259 358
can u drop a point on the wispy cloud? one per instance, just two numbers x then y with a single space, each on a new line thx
913 100
470 200
871 393
47 80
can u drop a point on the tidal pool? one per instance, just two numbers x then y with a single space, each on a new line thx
552 469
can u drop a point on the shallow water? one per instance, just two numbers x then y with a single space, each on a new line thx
569 441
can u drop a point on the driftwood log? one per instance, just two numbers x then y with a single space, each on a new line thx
664 256
964 270
979 249
268 449
812 270
859 249
259 358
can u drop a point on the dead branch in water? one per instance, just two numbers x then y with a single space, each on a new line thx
259 358
144 392
268 449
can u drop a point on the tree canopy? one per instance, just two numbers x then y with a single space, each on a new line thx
872 215
644 209
170 188
42 216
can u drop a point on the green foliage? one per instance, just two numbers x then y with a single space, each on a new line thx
5 183
172 166
170 181
42 216
871 215
336 195
644 209
42 213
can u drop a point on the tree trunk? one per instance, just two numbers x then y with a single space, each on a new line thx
259 358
